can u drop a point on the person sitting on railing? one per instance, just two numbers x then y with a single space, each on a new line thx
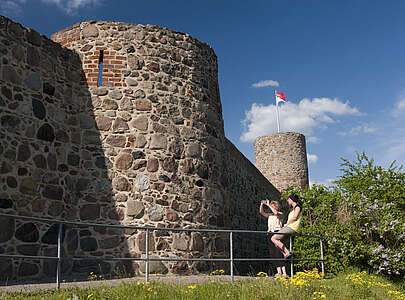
292 227
274 225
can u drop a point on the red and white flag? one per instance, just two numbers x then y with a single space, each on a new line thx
280 97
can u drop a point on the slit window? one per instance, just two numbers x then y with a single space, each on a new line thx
100 69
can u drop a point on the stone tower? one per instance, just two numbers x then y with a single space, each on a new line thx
118 123
282 159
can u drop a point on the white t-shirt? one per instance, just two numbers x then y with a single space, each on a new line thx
273 223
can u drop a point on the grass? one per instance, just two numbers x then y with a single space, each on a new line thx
304 285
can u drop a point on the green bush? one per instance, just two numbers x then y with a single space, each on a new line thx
360 217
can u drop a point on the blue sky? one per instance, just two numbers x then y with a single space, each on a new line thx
340 63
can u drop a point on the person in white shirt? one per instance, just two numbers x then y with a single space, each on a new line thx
274 225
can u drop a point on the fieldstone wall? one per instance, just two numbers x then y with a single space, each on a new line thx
147 147
282 159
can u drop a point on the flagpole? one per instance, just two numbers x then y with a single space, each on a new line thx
278 117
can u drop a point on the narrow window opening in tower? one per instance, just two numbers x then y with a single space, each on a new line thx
100 69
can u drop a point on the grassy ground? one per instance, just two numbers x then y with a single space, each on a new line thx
304 285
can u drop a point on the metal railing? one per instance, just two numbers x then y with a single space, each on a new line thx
148 259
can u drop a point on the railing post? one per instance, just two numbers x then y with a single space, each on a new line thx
322 264
147 256
231 255
59 265
291 258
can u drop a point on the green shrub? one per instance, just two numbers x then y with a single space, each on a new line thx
361 218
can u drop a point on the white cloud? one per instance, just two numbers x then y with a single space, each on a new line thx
400 105
303 117
313 140
265 83
71 6
11 7
357 130
312 158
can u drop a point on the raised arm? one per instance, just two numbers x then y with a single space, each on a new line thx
264 214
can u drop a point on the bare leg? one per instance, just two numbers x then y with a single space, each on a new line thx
279 270
276 241
284 272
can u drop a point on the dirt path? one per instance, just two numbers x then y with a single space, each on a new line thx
114 282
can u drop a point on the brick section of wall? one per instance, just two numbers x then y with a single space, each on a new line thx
282 158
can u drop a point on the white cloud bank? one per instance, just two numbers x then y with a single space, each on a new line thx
358 130
312 158
71 6
302 117
265 83
11 7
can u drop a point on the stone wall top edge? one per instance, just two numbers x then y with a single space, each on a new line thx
7 21
146 26
292 133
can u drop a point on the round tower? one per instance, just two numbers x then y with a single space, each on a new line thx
282 159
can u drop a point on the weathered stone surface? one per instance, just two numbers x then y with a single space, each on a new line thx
55 208
116 140
193 150
38 205
120 184
9 122
155 267
143 105
7 226
140 141
135 209
141 183
109 104
120 125
11 182
6 269
52 192
27 232
28 249
139 94
48 89
38 109
29 187
86 48
90 31
155 213
110 242
135 62
46 133
10 75
90 212
52 161
141 241
116 94
23 152
72 240
88 244
27 269
131 82
197 243
33 81
5 168
169 164
158 141
100 91
91 137
152 165
123 161
180 241
6 203
172 216
140 123
86 121
154 67
40 161
62 136
176 147
103 123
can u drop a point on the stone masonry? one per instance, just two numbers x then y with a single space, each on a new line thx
282 159
147 147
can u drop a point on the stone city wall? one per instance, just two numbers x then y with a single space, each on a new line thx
282 159
147 147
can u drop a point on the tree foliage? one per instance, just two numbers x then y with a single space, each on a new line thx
361 219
